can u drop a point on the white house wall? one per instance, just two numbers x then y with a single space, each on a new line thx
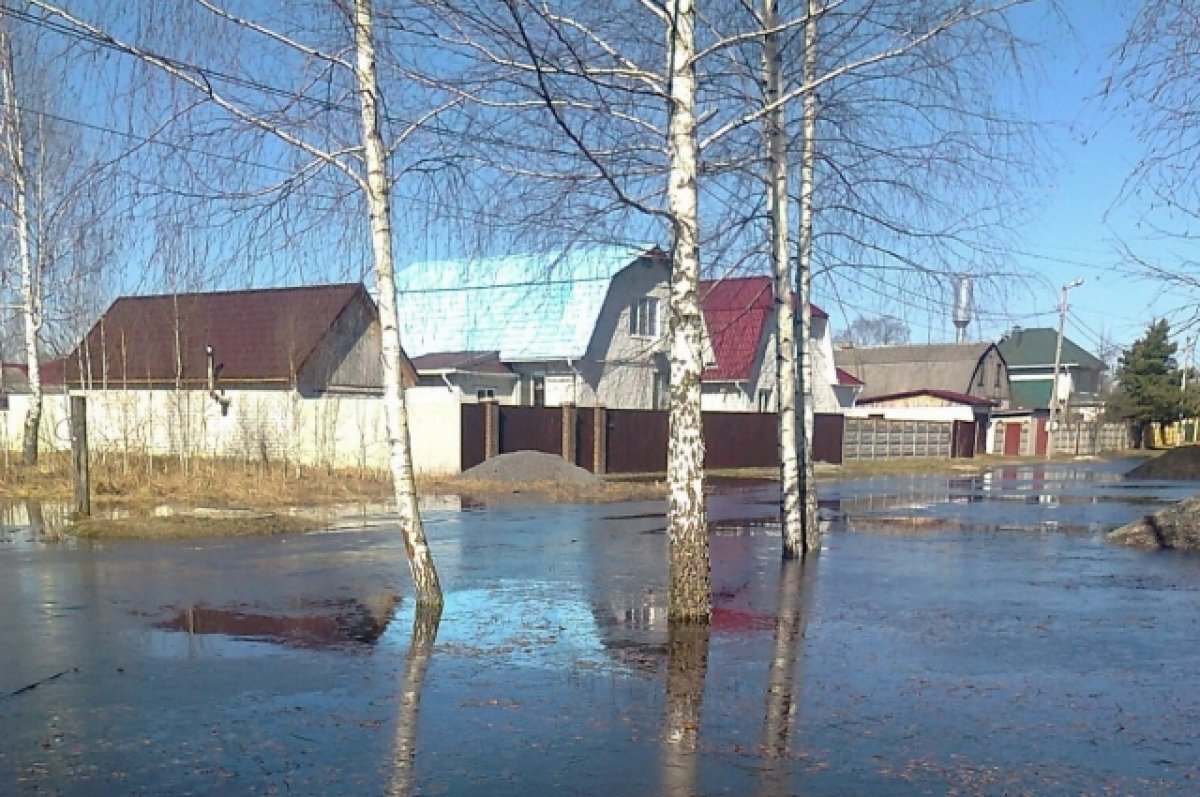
337 431
724 397
820 350
621 366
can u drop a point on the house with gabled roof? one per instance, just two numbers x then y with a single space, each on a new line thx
739 319
942 382
974 370
275 374
312 339
1030 357
583 326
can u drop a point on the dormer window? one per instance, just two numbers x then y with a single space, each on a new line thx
643 318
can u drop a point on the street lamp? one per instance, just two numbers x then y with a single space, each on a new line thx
1052 426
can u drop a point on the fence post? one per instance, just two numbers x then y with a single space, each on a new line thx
79 457
599 440
491 428
569 442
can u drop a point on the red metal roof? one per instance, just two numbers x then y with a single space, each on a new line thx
946 395
844 377
256 335
737 312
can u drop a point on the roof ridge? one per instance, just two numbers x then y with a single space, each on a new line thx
242 291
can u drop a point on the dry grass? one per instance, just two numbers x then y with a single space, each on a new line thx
545 491
146 527
143 482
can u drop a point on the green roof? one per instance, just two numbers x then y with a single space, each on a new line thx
1031 394
1031 348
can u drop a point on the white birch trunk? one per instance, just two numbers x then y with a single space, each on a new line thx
808 487
790 507
14 141
420 559
687 526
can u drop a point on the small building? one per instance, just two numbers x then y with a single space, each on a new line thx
275 374
948 382
977 370
739 319
1030 357
468 375
585 326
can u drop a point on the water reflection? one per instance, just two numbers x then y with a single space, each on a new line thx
687 666
420 650
325 625
796 579
31 521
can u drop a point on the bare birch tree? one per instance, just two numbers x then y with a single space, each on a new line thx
364 164
1153 83
58 230
15 139
867 189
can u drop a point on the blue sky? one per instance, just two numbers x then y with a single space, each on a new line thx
1075 226
1078 223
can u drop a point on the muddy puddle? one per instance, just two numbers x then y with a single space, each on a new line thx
999 646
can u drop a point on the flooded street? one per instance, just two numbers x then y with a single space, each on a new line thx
967 636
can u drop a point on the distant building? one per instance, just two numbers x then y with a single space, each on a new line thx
1030 357
584 326
975 370
739 319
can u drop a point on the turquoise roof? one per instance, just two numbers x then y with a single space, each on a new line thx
527 307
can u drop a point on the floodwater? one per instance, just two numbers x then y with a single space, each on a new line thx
961 636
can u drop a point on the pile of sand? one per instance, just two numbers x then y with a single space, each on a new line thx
530 466
1181 463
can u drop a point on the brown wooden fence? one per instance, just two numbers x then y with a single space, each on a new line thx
635 441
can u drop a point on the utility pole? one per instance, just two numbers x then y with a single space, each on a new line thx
1052 427
1187 359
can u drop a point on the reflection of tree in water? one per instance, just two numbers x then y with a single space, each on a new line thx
37 521
420 650
687 666
796 581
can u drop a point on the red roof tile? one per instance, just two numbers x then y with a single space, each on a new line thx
256 335
737 312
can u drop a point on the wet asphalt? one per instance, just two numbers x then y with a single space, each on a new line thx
965 636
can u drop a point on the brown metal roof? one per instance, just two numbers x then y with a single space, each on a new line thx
474 362
256 335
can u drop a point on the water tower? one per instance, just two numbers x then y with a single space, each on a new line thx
962 307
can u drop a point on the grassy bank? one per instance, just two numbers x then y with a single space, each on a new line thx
140 486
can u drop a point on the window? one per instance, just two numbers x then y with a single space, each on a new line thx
999 374
643 318
764 400
979 381
485 393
